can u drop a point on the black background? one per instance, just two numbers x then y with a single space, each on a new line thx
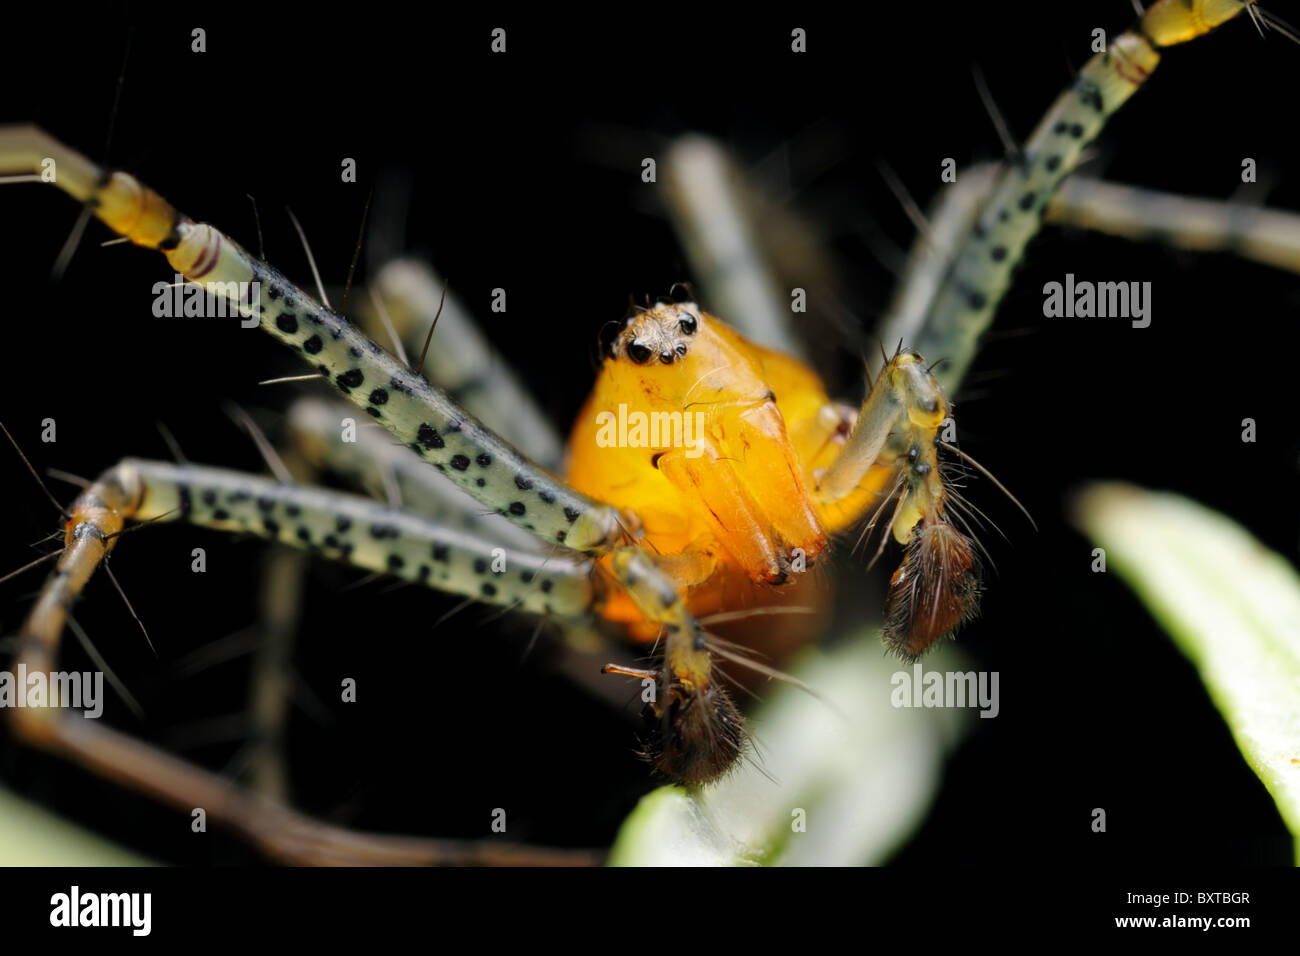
525 172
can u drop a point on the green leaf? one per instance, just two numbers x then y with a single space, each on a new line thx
1231 605
861 772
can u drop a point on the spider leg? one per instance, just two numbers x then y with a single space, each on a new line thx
1267 236
419 415
372 460
364 533
461 359
707 199
973 284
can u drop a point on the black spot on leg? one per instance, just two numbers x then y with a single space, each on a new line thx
998 253
483 459
480 566
423 574
559 536
396 562
459 462
378 397
209 498
1052 163
343 522
1027 201
286 323
526 577
221 514
272 527
523 482
546 585
292 510
313 345
547 497
429 438
489 589
481 482
517 508
373 412
304 535
1076 131
352 378
571 514
186 501
441 552
1090 95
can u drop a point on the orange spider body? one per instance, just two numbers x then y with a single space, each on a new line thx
712 442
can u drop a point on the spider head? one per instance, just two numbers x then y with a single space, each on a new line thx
659 334
700 733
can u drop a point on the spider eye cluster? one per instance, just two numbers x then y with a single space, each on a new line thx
657 332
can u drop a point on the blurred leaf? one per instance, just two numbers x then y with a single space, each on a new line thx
32 836
862 771
1231 605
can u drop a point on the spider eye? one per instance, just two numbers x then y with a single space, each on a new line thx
687 324
638 353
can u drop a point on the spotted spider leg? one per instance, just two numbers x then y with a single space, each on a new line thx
136 489
464 364
418 414
948 323
382 467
